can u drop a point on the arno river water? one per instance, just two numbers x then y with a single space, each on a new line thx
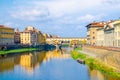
46 65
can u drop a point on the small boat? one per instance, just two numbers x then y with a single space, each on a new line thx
81 61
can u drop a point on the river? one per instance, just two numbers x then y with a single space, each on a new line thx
46 65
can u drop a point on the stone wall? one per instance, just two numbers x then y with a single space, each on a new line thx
110 57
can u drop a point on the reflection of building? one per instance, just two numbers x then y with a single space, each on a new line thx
32 36
17 36
91 31
6 35
56 54
97 75
7 64
40 56
28 61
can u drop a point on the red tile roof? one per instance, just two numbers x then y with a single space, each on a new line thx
96 24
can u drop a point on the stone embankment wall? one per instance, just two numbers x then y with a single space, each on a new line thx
110 57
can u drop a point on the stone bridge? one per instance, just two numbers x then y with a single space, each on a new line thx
66 40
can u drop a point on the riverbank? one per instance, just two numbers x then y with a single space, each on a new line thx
95 63
27 49
3 52
110 57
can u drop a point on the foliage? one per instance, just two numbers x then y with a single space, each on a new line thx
17 50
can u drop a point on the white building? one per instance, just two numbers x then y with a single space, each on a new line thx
109 35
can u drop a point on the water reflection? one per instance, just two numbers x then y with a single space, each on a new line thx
97 75
7 64
52 65
56 55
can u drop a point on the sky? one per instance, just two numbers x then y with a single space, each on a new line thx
65 18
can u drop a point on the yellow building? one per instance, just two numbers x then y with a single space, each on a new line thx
91 32
28 37
28 61
31 36
40 38
6 35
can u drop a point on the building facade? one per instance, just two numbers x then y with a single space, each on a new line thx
109 36
100 37
31 36
112 34
91 32
6 35
17 37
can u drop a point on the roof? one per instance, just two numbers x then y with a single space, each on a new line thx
2 26
96 24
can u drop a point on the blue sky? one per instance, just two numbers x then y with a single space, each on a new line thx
66 18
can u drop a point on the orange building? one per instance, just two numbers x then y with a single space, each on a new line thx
91 32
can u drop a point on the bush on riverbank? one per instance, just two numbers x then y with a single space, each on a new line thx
18 50
95 63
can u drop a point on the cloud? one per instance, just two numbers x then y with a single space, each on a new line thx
89 17
62 16
55 9
30 13
66 6
9 24
111 2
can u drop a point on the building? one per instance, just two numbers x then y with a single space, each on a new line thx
6 35
91 32
100 36
112 34
66 40
41 38
31 36
17 37
50 36
109 35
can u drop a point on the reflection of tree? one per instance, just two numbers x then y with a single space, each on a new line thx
7 64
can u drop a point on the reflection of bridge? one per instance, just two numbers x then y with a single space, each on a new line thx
64 40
